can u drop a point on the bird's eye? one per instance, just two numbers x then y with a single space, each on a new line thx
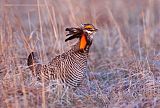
91 29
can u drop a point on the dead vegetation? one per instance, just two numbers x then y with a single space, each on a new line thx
124 63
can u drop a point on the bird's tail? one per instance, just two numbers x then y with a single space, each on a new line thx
33 62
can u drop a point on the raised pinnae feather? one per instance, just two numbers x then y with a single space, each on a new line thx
70 38
73 33
73 30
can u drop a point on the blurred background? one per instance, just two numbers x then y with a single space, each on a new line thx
129 30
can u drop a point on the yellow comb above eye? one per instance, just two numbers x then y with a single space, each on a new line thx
88 27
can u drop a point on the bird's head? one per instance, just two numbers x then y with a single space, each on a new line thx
89 29
84 33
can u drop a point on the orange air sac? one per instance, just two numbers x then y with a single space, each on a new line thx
83 42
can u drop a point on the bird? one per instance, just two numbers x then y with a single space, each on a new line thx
69 67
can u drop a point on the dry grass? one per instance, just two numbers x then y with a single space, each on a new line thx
124 58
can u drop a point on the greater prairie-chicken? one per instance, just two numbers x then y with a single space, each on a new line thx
69 67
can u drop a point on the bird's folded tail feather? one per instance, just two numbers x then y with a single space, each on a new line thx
33 61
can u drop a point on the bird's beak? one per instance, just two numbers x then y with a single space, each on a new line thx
96 29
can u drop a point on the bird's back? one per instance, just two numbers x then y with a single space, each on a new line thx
67 68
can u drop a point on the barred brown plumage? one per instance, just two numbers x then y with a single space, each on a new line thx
70 66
